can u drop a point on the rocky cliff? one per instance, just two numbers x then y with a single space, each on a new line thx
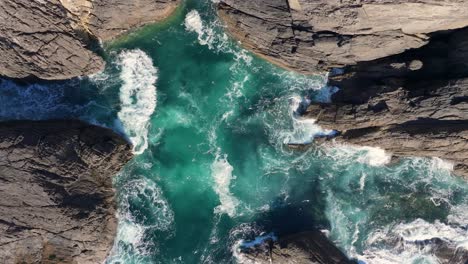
56 194
58 39
310 36
404 82
411 104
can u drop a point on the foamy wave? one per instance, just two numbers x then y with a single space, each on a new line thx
146 193
194 23
362 154
237 237
221 171
413 242
211 35
137 96
440 164
304 129
142 207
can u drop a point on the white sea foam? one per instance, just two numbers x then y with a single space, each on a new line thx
363 154
304 129
137 96
440 164
194 23
221 171
147 194
410 242
151 213
211 35
236 237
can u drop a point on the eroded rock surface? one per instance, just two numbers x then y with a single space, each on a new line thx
301 248
56 197
42 39
309 36
108 19
58 39
411 104
405 81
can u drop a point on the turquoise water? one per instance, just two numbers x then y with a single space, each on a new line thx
209 122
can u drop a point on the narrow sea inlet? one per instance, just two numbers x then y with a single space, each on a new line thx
210 123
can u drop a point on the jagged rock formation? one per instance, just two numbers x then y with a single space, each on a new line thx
315 35
58 39
56 197
301 248
411 104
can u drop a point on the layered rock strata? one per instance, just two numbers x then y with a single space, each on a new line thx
411 104
59 39
57 201
309 36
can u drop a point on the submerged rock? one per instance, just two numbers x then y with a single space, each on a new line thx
59 39
301 248
56 194
309 36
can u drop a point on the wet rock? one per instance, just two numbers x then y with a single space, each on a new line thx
59 39
56 194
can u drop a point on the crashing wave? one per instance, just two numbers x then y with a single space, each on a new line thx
372 156
137 96
212 36
304 129
415 242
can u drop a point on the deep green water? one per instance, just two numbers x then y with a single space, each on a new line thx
209 121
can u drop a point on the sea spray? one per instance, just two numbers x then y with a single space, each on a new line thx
137 96
372 156
221 171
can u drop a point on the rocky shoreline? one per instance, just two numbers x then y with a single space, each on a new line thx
403 83
403 87
59 39
57 199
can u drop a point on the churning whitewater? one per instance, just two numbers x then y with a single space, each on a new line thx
137 96
214 169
